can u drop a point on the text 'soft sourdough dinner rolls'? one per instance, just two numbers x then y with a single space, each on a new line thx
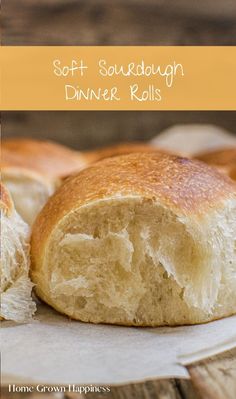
223 159
16 287
31 170
140 239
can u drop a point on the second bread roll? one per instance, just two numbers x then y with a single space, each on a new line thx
43 156
140 239
223 159
31 170
29 190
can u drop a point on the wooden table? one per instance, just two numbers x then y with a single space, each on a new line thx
126 22
214 378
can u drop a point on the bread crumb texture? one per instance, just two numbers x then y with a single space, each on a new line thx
16 287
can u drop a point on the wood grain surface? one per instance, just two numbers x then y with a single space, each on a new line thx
215 378
124 22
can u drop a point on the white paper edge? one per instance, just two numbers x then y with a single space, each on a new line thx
203 354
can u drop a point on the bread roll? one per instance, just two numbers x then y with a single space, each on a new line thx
29 190
141 240
117 149
31 170
45 157
16 287
224 160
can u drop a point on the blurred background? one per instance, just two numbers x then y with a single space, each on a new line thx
113 22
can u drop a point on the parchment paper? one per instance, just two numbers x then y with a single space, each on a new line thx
55 350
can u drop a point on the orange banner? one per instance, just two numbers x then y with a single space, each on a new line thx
118 78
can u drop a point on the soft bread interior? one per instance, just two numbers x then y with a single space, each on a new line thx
29 193
16 287
132 261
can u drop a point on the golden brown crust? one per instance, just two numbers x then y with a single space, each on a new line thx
48 158
224 159
5 200
118 149
187 187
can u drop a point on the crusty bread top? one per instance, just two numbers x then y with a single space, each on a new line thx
225 159
46 157
118 149
187 187
6 203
